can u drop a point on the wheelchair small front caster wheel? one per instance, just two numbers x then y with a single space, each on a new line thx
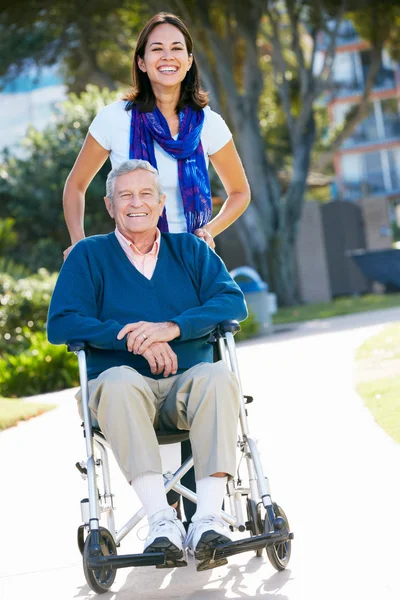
99 580
279 554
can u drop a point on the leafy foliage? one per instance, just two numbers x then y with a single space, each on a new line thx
248 328
33 184
23 309
28 363
39 369
94 40
257 60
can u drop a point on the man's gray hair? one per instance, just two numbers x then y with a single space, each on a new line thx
127 167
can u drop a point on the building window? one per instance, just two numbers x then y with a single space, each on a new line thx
352 175
394 164
382 122
346 34
391 118
374 172
386 75
346 71
370 173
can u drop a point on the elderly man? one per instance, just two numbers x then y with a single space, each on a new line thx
145 303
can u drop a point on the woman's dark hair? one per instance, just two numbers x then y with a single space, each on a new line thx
142 94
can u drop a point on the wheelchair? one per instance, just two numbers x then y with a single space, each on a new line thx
251 507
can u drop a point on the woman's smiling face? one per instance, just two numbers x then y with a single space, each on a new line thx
166 60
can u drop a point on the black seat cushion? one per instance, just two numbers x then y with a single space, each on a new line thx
172 436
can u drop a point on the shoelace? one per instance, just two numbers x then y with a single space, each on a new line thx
155 526
142 539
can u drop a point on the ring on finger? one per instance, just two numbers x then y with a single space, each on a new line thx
144 336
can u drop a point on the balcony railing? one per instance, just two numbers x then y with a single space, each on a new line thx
354 191
367 132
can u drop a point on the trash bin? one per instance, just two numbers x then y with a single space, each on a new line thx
255 291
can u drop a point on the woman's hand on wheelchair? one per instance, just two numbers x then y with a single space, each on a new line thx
141 335
161 358
205 235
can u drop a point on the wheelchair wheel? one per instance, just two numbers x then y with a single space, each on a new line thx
279 554
81 538
99 580
255 521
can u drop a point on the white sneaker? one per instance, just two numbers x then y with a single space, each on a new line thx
167 534
204 534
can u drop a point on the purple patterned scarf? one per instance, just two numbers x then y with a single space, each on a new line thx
186 149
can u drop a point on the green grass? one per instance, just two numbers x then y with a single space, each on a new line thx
383 346
339 306
381 394
382 397
14 411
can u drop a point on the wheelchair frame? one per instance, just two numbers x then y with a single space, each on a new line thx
266 521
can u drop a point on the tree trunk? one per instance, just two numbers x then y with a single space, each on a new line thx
282 267
282 259
259 219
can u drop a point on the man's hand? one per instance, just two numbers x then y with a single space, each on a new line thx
161 357
141 335
206 236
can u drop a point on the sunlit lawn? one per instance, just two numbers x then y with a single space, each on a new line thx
382 395
339 306
383 346
13 411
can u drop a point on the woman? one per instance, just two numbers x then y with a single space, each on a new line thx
166 100
166 120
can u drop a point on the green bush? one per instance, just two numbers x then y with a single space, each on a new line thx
28 363
31 186
39 369
23 309
248 328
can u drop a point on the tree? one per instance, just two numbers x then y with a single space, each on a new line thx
32 185
92 39
244 50
232 40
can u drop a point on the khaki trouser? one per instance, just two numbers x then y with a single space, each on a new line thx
203 399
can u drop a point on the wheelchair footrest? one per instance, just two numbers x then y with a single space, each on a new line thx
147 559
256 542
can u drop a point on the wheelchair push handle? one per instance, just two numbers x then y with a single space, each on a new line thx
76 346
229 326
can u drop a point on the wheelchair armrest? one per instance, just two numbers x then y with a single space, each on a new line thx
231 326
76 346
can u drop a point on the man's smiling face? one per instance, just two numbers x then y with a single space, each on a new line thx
136 205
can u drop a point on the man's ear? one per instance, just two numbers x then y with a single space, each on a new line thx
162 203
109 206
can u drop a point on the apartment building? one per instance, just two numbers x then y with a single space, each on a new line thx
368 163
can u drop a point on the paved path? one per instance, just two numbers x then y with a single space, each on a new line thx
334 471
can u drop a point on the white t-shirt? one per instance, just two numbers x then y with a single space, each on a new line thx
111 129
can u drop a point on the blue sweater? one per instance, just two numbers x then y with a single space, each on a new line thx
99 291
